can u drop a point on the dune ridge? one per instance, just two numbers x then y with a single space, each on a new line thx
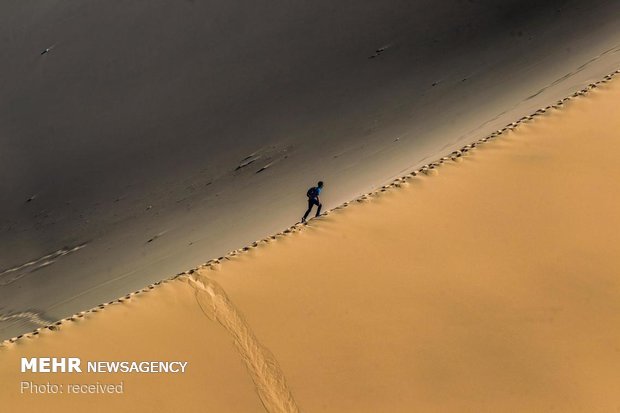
148 173
215 263
495 291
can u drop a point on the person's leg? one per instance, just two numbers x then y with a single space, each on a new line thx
310 203
318 210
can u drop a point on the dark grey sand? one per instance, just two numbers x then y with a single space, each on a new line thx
141 138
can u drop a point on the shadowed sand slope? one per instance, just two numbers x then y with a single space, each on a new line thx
138 139
488 284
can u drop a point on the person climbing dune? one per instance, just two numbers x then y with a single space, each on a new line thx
313 199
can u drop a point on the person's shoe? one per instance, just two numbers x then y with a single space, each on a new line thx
303 220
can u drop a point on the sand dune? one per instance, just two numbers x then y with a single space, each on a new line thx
485 281
160 133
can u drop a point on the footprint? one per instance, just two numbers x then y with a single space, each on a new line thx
264 167
155 237
247 161
379 51
270 164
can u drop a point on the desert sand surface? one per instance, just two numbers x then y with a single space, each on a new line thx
138 140
487 281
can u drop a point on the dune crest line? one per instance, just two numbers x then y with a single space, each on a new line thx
427 169
264 369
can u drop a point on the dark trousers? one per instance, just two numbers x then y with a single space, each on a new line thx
311 203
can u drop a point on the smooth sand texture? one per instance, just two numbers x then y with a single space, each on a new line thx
490 283
141 133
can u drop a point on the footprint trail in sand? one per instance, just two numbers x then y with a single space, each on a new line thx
263 367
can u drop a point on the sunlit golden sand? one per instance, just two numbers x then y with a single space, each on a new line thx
489 281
